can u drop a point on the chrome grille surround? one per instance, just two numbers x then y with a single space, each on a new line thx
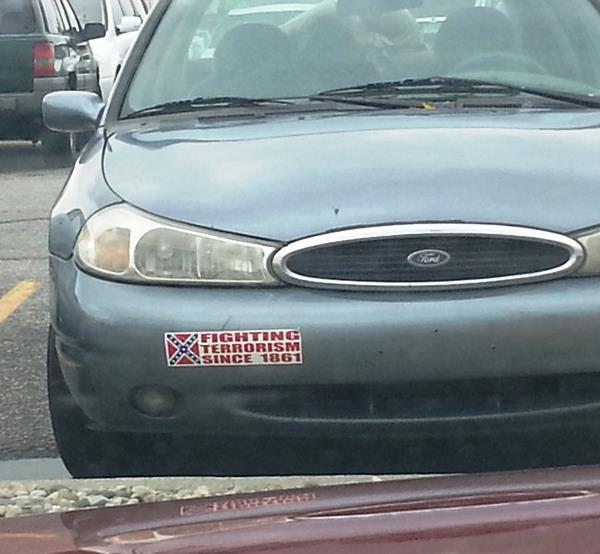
279 262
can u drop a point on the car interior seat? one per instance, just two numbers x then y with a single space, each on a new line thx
255 60
470 32
332 57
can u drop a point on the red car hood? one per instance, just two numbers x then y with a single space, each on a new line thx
555 511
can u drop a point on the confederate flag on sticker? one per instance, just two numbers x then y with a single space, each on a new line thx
234 348
183 349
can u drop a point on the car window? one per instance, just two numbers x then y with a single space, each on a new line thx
127 8
63 21
252 52
51 16
276 14
139 9
89 11
431 8
17 17
117 12
432 13
72 19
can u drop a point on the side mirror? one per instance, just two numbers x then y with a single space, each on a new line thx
92 31
72 111
128 24
373 7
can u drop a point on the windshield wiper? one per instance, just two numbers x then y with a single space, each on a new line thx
434 86
359 100
193 104
362 95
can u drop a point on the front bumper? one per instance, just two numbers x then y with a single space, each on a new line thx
374 364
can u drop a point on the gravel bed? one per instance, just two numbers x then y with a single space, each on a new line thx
32 498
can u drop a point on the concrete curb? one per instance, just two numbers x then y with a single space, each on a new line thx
20 497
216 485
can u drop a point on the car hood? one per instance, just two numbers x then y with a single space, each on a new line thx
283 178
518 513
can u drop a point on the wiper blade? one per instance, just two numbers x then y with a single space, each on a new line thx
408 86
433 86
193 104
368 103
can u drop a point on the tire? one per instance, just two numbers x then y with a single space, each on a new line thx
88 453
77 142
62 149
57 148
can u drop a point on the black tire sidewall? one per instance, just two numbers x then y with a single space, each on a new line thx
56 148
81 449
88 453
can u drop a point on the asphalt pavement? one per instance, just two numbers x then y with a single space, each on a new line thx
28 188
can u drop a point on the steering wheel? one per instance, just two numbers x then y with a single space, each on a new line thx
494 59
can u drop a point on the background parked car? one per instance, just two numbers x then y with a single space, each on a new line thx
122 19
43 48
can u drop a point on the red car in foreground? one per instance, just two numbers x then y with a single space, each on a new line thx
543 512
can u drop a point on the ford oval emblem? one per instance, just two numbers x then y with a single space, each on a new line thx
428 258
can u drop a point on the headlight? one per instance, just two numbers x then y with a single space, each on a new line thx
590 240
126 244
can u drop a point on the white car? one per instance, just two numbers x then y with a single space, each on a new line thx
122 20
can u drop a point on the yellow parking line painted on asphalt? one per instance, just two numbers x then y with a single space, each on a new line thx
11 301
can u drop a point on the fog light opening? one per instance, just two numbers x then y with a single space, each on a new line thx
155 401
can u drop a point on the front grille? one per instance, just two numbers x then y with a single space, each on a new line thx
474 257
386 259
422 401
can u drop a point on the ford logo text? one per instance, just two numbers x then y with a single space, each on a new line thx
428 258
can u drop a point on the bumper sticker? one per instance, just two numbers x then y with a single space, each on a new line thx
233 348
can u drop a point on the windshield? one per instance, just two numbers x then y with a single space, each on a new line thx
549 44
89 11
16 17
275 14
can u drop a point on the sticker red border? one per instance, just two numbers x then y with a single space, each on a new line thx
233 348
